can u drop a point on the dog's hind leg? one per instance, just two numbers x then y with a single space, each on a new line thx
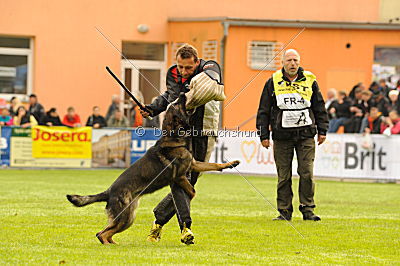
104 234
127 218
121 213
203 166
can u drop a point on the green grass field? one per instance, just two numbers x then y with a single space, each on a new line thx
232 223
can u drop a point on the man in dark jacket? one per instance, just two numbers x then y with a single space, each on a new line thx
292 106
96 120
204 123
116 101
339 111
359 109
35 108
51 118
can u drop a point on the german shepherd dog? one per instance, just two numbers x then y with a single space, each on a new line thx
167 161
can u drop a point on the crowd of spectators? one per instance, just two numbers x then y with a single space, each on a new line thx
372 110
34 114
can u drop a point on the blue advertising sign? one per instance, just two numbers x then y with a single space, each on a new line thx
142 140
5 138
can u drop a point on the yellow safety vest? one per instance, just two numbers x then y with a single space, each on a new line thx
294 99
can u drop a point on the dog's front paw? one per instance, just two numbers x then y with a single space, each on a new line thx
233 164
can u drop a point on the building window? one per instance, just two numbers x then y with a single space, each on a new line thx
386 64
210 50
143 51
15 65
260 53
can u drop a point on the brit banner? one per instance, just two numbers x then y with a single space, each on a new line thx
341 156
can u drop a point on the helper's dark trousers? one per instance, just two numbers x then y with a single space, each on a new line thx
178 201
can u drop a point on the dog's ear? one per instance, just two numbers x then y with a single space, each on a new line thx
182 101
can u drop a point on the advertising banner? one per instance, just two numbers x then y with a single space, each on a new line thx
111 148
21 153
142 140
61 142
341 156
5 136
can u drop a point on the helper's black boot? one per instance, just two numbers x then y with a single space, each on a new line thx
310 216
284 215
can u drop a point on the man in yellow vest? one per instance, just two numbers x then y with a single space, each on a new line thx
292 107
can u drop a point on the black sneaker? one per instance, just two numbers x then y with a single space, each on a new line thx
310 216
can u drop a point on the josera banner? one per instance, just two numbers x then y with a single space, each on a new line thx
5 136
342 155
61 142
21 153
142 140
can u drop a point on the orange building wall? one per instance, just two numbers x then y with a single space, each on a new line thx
323 52
195 33
70 56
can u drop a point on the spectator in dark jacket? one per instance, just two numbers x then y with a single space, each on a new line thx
357 99
372 122
394 103
35 108
360 87
374 88
23 118
339 111
359 109
382 103
51 118
383 87
15 103
96 120
113 107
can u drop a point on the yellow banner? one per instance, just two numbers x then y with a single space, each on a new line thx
61 142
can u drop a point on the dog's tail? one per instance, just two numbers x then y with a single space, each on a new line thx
80 201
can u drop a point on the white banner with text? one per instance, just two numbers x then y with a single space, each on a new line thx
341 156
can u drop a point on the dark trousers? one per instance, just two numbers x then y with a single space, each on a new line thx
283 155
177 201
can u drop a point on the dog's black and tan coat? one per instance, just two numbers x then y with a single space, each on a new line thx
169 159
